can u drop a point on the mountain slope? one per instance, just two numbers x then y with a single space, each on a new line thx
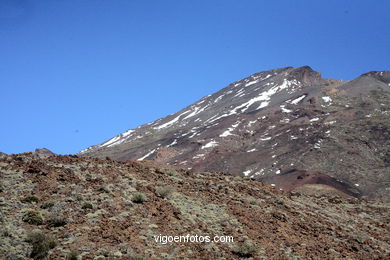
274 123
104 209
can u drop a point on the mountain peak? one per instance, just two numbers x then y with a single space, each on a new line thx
305 74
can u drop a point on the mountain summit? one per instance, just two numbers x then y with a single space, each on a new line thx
289 127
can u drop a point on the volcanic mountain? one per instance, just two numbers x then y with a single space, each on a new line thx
288 127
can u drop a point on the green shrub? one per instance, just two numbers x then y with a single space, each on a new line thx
279 202
41 244
73 255
87 205
139 198
30 199
163 191
33 217
56 221
104 188
137 257
2 188
170 172
47 205
245 249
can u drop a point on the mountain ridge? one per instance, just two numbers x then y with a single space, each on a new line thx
271 122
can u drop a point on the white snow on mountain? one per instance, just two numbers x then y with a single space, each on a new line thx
326 99
146 155
297 100
209 145
169 123
251 83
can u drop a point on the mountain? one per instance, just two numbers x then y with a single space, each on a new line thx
69 207
275 125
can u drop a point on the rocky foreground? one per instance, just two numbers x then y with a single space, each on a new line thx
66 207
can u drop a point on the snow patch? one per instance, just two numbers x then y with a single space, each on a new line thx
251 83
246 173
209 145
266 77
251 123
169 123
219 98
326 99
318 144
330 122
173 143
196 111
226 133
111 141
146 155
229 130
264 97
297 100
198 156
284 109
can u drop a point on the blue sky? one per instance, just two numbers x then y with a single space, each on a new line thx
75 73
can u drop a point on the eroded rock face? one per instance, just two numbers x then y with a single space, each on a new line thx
272 122
109 209
43 152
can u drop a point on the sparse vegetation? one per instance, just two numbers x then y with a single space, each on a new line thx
30 199
56 221
164 191
104 188
47 205
33 217
169 172
201 203
252 201
245 249
139 198
87 205
73 255
41 244
137 257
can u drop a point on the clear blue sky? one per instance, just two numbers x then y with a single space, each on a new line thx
74 73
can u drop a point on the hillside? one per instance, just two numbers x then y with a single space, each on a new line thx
274 123
105 209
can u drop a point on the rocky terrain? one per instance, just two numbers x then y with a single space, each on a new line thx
70 207
273 124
